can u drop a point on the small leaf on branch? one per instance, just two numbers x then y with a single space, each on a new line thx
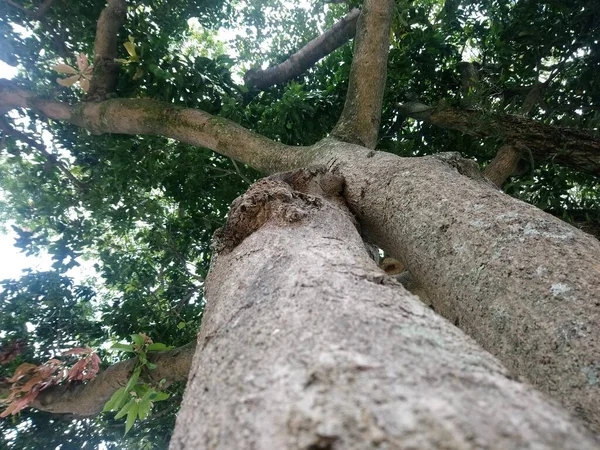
85 84
131 416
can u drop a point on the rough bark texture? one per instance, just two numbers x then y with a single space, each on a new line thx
573 148
106 69
307 56
360 119
524 284
306 344
503 165
88 399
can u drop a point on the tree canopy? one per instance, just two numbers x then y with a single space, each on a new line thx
467 76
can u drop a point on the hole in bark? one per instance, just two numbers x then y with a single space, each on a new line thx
324 443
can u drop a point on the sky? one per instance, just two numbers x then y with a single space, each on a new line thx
12 261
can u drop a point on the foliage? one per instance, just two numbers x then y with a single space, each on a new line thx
135 400
147 206
29 380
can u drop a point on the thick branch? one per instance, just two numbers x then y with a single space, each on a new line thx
150 117
53 160
106 69
577 149
359 123
89 399
307 56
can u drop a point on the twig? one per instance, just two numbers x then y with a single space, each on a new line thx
237 169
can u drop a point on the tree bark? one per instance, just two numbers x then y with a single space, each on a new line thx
361 117
573 148
520 281
307 56
503 165
106 70
86 400
306 344
523 283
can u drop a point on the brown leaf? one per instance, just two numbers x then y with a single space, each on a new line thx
63 68
82 62
68 82
85 84
21 371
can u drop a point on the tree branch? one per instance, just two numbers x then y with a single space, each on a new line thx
503 165
88 399
307 56
53 160
43 9
150 117
39 13
360 119
106 70
577 149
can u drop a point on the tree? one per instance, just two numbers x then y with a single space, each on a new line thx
139 192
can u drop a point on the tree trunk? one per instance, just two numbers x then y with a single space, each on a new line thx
306 344
523 283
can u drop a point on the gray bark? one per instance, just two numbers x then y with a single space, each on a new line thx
307 56
577 149
306 344
524 284
360 119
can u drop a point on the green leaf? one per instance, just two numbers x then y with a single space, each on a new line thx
133 380
138 339
151 366
158 347
122 347
116 401
130 47
181 325
160 396
131 416
125 409
144 408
